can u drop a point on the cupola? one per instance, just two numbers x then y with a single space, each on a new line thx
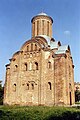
42 25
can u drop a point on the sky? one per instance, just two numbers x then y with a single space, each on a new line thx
15 27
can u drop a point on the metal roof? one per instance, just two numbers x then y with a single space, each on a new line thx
54 44
47 38
42 13
60 52
62 49
65 47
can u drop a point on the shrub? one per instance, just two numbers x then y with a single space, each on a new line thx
38 113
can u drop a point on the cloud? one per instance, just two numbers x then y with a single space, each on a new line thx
67 32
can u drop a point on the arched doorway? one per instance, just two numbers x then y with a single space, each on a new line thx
70 93
70 98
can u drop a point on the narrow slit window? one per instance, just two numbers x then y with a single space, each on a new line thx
16 67
43 27
27 86
32 86
14 87
37 27
47 28
26 67
33 32
35 47
28 48
49 65
49 85
31 47
36 65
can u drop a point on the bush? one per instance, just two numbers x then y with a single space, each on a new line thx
1 93
38 113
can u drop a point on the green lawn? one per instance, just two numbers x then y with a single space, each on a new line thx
38 113
77 103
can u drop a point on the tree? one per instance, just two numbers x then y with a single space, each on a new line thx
1 93
77 95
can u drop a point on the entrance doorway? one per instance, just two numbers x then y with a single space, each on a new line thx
70 99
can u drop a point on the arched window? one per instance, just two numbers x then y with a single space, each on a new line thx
27 86
31 47
14 87
32 86
49 65
42 27
26 67
47 28
28 48
49 85
36 65
35 47
16 67
34 28
37 27
70 86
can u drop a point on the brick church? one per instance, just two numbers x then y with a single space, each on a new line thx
42 71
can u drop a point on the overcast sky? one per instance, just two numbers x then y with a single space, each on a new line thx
15 26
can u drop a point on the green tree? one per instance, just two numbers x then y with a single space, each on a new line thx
1 93
77 95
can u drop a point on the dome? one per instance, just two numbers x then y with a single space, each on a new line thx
42 13
42 25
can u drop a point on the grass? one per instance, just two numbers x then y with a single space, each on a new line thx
77 103
38 113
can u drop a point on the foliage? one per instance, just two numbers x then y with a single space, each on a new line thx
38 113
77 102
1 94
77 95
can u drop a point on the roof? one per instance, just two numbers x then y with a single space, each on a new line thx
60 52
62 49
42 13
65 47
39 42
47 38
54 44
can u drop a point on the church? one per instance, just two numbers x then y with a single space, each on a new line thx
42 71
